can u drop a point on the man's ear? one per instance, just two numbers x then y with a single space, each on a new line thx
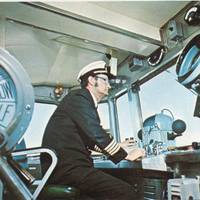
91 80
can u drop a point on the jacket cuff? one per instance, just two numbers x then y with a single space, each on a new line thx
118 156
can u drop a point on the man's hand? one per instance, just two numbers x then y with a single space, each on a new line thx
135 154
129 144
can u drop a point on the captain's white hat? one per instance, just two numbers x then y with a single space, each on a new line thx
94 68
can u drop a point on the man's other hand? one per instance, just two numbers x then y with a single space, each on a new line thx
135 154
128 142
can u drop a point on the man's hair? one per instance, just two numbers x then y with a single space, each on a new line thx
84 82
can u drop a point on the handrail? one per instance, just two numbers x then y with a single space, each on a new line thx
47 174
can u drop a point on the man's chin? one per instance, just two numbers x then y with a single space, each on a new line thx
104 94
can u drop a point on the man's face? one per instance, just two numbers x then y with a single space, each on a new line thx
102 84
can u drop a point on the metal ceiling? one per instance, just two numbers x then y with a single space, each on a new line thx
155 13
54 40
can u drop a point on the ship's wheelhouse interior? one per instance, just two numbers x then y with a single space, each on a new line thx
154 50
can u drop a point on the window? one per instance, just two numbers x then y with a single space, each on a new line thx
164 92
126 128
34 133
41 114
104 115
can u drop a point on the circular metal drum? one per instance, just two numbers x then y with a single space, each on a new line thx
188 65
16 101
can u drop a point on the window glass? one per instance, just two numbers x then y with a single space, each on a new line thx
164 92
128 126
104 115
34 133
42 113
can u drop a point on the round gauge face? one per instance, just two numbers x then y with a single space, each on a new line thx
16 100
8 99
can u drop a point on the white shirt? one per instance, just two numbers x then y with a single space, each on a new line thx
94 99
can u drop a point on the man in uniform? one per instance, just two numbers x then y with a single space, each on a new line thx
74 129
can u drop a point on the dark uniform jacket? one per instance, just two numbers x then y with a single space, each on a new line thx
72 131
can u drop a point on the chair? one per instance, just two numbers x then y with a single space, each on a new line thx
16 106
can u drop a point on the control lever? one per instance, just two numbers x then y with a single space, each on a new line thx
27 178
196 145
173 148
